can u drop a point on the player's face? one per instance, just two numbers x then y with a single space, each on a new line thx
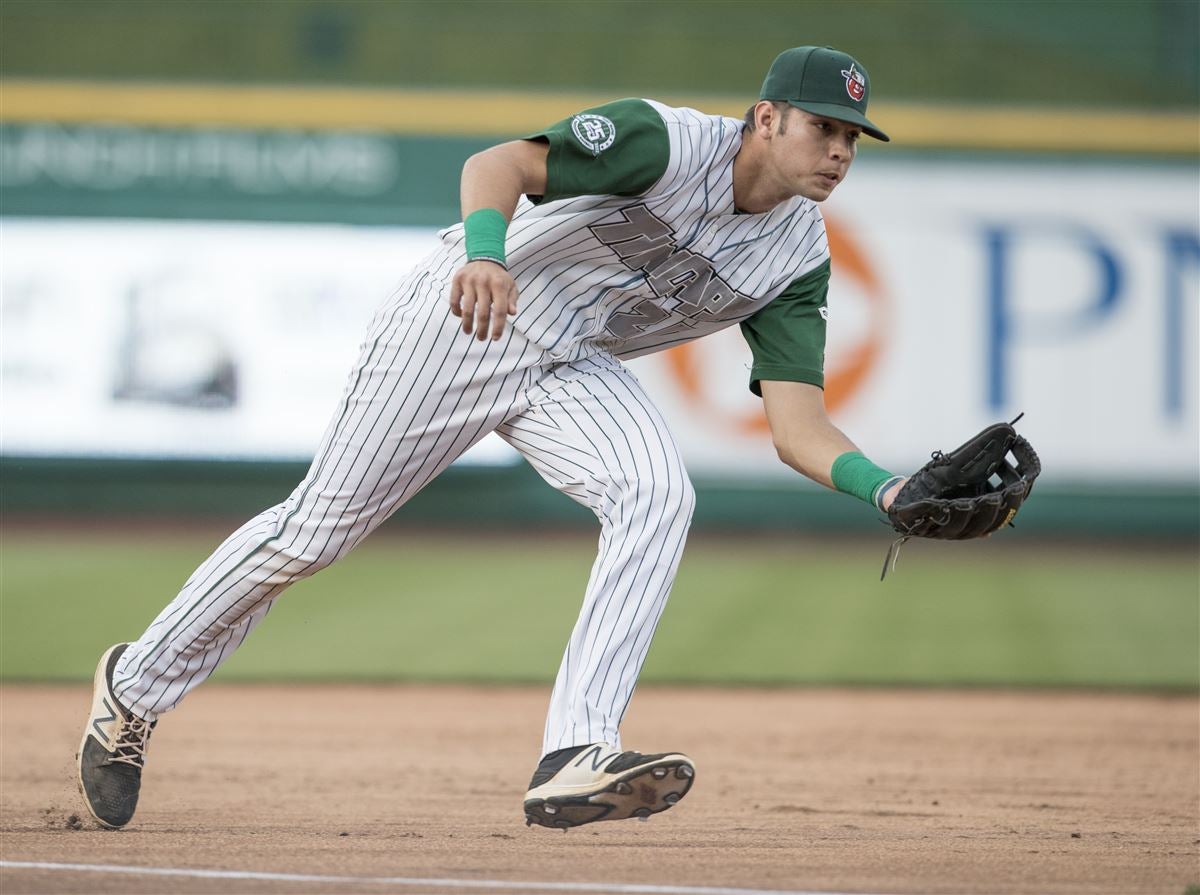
812 153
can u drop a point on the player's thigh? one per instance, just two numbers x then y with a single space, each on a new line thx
420 395
592 432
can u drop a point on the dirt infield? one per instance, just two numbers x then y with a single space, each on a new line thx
797 790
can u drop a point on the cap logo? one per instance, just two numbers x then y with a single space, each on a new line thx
856 84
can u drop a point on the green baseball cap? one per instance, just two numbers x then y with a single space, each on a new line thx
823 81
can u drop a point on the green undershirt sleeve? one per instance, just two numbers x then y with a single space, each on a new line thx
787 337
617 149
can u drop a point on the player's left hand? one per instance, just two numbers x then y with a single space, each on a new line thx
970 492
483 294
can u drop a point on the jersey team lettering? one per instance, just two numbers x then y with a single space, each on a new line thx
686 280
595 132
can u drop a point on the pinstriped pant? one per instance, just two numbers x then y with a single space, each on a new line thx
422 393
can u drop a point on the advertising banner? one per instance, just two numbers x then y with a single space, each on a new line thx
966 293
49 168
962 293
187 340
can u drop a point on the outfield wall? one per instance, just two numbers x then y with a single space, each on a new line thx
963 292
509 498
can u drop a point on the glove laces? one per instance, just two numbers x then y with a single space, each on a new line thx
893 556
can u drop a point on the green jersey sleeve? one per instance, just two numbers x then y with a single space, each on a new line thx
617 149
787 337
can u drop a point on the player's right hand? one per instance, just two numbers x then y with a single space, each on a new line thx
483 294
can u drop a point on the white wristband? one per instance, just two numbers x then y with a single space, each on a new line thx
877 498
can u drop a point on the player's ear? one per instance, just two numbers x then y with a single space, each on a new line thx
768 118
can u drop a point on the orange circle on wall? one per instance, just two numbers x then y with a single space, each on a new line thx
845 378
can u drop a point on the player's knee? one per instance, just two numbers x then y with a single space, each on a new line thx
314 560
685 502
289 564
300 551
669 497
666 495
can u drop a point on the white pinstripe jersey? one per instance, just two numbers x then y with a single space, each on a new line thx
634 274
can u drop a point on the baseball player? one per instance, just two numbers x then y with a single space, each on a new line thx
623 230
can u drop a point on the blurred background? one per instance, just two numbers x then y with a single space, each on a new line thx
201 204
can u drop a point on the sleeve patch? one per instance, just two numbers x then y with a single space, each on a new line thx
595 132
617 149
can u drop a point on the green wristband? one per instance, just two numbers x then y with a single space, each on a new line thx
485 230
853 473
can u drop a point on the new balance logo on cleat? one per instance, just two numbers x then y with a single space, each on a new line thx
598 757
98 723
584 784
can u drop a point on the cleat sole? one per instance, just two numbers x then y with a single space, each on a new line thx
641 793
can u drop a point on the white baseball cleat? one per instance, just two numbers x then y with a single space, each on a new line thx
112 752
584 784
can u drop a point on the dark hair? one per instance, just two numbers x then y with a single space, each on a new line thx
748 118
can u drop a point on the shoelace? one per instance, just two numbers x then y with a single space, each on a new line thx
131 743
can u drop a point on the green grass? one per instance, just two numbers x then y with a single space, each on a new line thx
466 607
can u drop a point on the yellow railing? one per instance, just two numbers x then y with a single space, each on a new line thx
504 114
